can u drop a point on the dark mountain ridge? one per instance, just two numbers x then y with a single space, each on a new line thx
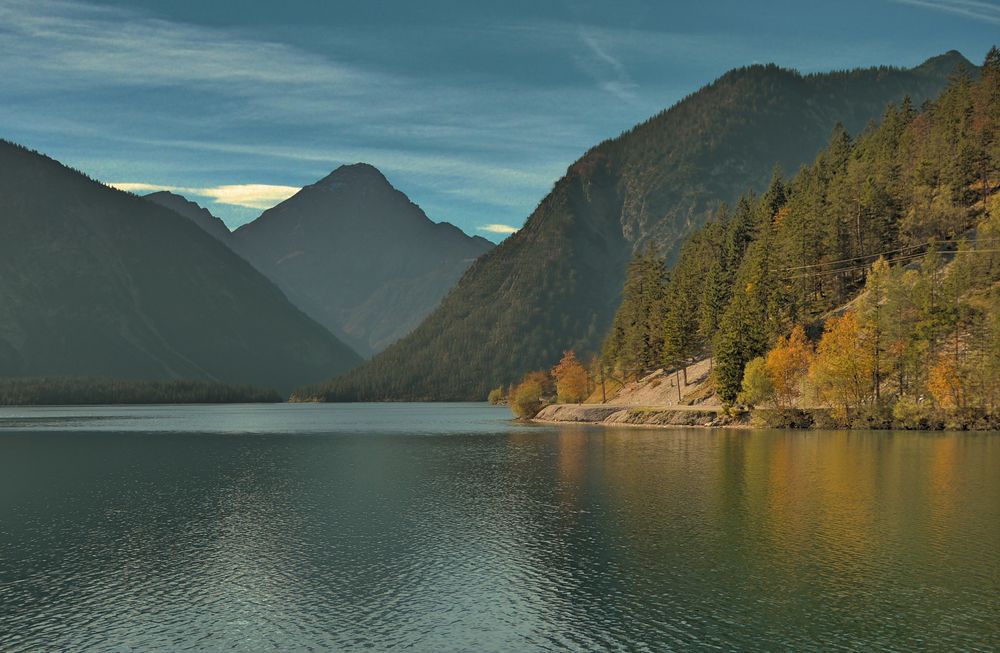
554 285
98 282
193 212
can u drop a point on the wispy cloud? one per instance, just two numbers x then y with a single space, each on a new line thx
474 140
608 70
132 78
129 48
986 12
251 196
505 229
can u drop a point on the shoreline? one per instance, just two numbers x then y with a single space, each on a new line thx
709 417
735 426
649 417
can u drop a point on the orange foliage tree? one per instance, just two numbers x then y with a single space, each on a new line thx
572 382
787 364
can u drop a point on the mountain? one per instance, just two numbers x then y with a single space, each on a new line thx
358 256
554 285
97 282
193 212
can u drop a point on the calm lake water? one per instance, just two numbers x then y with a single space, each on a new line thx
445 527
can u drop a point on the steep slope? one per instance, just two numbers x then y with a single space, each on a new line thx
358 256
554 284
97 282
193 212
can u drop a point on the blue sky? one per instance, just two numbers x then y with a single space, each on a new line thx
472 109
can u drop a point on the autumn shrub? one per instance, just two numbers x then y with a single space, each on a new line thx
911 414
497 396
531 394
966 419
526 400
822 418
871 416
781 418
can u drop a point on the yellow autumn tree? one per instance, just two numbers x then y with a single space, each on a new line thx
787 364
944 382
843 367
572 382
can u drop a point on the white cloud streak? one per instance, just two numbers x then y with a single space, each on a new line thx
129 48
505 229
251 196
608 70
981 11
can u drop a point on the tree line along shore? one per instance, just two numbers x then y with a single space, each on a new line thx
51 391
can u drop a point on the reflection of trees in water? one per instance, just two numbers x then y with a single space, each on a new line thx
788 536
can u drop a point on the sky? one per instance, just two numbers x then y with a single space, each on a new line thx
472 109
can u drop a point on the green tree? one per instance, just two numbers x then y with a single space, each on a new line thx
756 388
635 342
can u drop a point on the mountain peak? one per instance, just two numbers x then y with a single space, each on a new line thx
358 256
944 64
353 174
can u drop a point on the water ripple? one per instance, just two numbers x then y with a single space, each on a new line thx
538 539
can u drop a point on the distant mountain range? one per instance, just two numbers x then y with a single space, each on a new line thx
98 282
358 256
555 284
350 251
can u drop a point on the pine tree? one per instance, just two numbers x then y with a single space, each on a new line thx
635 342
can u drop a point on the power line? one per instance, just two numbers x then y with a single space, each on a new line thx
847 260
898 259
853 268
885 253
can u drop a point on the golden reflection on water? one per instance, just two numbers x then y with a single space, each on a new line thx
834 513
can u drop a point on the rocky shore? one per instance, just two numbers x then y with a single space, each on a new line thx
636 416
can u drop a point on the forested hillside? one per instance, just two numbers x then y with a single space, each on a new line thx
555 284
897 229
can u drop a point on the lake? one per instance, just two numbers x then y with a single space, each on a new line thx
447 528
